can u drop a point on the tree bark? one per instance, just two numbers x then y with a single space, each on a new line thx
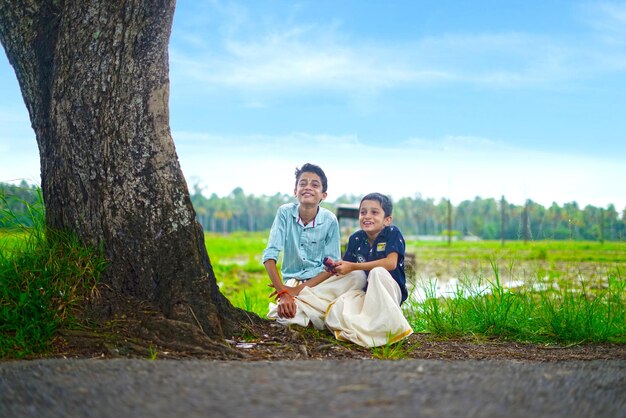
94 77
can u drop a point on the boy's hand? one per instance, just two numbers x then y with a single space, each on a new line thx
290 290
286 306
285 300
343 267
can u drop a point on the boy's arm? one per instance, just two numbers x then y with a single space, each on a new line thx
286 304
332 247
312 282
277 237
272 272
389 263
276 243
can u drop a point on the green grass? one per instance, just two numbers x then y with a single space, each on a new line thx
563 314
236 261
550 251
11 239
393 351
236 248
556 260
44 277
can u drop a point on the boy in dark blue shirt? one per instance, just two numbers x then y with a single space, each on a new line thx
372 317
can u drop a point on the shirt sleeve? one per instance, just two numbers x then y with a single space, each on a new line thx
276 241
332 248
350 250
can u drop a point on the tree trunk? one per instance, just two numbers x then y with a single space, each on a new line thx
94 77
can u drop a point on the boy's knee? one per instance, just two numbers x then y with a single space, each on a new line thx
357 276
385 280
379 270
380 274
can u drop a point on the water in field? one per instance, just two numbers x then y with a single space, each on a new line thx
445 279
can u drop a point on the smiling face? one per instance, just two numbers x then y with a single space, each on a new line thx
309 189
372 218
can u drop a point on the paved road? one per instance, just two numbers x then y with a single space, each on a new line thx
360 388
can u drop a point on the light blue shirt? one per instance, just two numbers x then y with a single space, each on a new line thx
304 246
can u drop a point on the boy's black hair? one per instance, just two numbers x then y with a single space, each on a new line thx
384 201
312 168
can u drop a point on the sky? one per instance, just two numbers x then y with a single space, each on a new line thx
442 99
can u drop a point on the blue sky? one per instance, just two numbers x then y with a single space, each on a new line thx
456 99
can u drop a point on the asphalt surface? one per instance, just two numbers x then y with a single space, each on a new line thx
346 388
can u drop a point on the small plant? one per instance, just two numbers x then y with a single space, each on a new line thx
393 351
248 336
152 353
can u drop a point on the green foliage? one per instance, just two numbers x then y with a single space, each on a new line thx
550 251
582 314
393 351
152 353
17 204
415 216
44 276
553 314
236 261
237 248
479 307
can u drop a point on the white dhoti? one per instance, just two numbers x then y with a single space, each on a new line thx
369 318
312 302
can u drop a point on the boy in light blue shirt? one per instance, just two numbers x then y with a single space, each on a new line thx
306 233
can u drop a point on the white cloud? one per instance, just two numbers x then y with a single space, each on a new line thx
608 19
456 167
608 23
296 56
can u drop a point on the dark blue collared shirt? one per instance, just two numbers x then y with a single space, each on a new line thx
390 240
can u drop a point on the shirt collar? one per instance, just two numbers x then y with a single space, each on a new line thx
383 234
318 220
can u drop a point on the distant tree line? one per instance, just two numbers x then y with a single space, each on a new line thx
482 218
498 219
488 218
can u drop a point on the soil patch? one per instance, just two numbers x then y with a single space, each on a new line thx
134 334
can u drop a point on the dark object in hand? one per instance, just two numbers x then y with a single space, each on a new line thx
330 264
